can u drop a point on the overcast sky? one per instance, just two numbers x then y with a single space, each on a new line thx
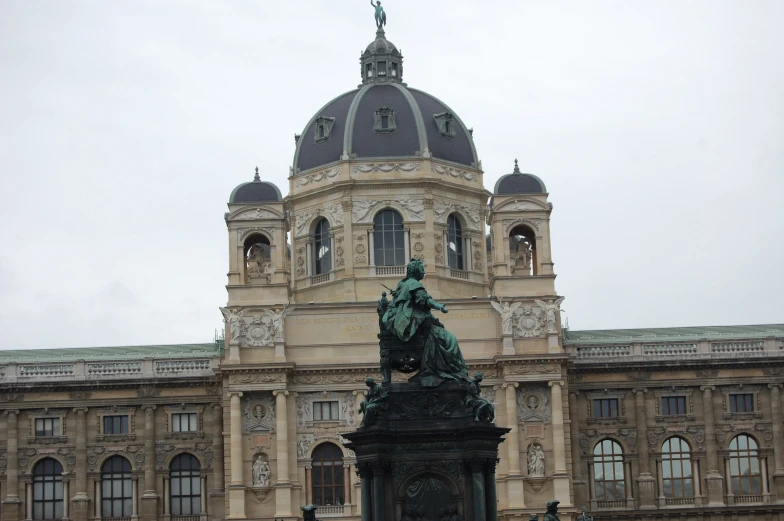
658 127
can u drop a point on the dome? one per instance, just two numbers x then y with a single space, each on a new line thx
383 118
519 183
256 191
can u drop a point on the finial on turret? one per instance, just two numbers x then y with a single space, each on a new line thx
256 177
517 168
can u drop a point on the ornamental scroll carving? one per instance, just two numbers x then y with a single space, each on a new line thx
164 449
262 330
97 453
727 431
66 453
317 177
361 211
254 214
511 223
533 404
453 172
657 435
256 378
306 441
524 321
258 413
346 403
589 438
244 232
385 167
441 211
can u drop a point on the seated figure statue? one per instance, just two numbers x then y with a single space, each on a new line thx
408 313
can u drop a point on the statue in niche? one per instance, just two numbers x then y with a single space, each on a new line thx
552 511
550 310
374 404
381 16
536 460
408 314
523 255
234 318
256 264
483 410
261 472
507 312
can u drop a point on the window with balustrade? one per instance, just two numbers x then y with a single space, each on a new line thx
48 490
116 488
322 251
677 478
388 239
454 243
185 486
744 466
608 473
327 475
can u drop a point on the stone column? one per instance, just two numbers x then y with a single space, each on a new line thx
491 501
560 474
81 503
366 480
134 498
217 448
347 483
578 479
150 495
66 493
379 496
236 486
283 483
503 462
645 481
478 488
12 504
713 479
778 442
514 480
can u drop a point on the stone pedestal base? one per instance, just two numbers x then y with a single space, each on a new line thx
150 506
236 502
508 345
426 457
553 347
12 509
283 500
778 485
715 489
515 491
80 508
280 352
646 483
561 489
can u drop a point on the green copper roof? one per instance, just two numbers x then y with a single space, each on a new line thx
673 334
111 353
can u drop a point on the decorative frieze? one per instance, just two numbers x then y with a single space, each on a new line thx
385 168
316 177
533 404
261 330
258 412
454 172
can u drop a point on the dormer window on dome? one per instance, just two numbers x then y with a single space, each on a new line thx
446 124
323 128
385 120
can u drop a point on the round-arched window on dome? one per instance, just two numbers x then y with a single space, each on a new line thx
454 242
322 250
388 239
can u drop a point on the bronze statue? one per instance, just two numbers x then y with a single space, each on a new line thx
483 410
381 16
374 404
552 511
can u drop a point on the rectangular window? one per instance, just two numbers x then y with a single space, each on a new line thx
742 402
605 408
115 424
384 121
184 422
382 68
325 411
369 70
47 426
394 70
673 405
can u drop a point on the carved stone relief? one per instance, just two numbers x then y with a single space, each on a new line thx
244 232
589 437
261 330
657 435
258 413
454 172
302 220
441 211
256 378
254 214
511 223
65 453
533 404
96 452
317 177
346 404
163 449
414 208
385 167
334 212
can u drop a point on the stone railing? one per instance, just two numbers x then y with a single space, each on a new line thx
615 503
182 366
319 279
678 501
114 369
46 370
748 499
333 511
383 271
96 371
700 350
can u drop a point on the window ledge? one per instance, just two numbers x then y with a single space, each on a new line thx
116 437
607 421
47 440
184 435
676 418
742 415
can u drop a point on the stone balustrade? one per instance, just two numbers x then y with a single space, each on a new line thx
700 350
125 369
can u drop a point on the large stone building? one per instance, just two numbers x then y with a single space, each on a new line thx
668 423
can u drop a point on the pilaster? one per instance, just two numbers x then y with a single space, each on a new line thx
150 495
560 474
236 486
645 481
12 505
81 503
283 483
514 479
778 441
713 480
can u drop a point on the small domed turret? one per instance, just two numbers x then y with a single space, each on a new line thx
256 191
519 183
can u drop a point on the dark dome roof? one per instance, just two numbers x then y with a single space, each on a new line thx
351 119
256 191
519 183
381 45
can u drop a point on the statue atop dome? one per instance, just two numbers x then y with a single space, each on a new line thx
381 16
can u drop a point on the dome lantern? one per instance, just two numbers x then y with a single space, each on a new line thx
381 61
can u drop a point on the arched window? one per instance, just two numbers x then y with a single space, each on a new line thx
323 250
48 490
677 478
745 475
257 256
327 476
388 239
116 492
608 473
522 251
454 243
185 494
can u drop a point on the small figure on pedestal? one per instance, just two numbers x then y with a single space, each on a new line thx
483 410
374 404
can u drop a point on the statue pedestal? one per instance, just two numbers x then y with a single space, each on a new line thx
426 456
